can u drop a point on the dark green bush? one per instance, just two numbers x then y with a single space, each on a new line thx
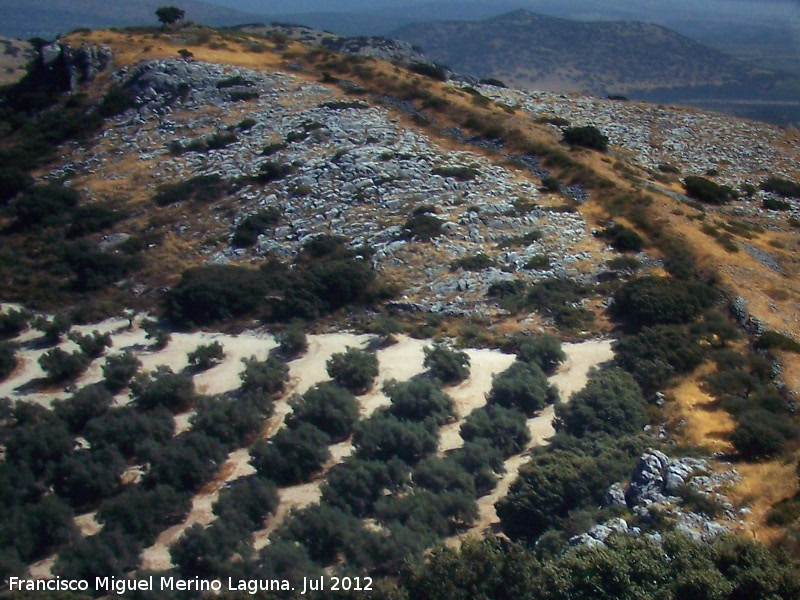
422 227
248 230
623 239
92 345
383 437
292 341
439 475
460 173
86 477
84 405
654 355
144 513
587 136
163 389
246 502
650 300
43 206
231 421
322 530
119 369
185 463
473 262
126 429
92 218
776 204
201 189
782 187
522 386
206 356
329 408
353 369
419 400
610 403
8 359
13 181
446 364
433 71
95 269
356 485
560 298
778 341
707 191
291 456
59 365
214 293
115 102
272 171
542 350
13 322
481 460
761 433
268 377
506 429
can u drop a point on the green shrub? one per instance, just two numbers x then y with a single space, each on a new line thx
163 389
623 239
650 300
610 403
587 136
655 355
13 322
707 191
202 189
43 206
439 475
221 140
460 173
433 71
761 433
243 95
784 513
782 187
474 262
542 350
116 101
505 429
268 377
559 481
95 269
383 437
322 530
246 502
778 341
13 181
206 356
215 293
60 365
776 204
422 227
88 476
523 387
92 345
329 408
291 456
92 218
84 405
418 400
353 369
559 298
185 463
356 485
292 341
481 460
8 359
231 421
272 171
127 429
144 513
446 364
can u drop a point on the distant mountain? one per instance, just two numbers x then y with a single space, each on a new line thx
46 18
528 50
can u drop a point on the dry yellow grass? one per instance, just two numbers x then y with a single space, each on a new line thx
706 424
762 485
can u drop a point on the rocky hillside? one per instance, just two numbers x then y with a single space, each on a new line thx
298 310
538 52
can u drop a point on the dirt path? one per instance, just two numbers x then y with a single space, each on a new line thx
571 377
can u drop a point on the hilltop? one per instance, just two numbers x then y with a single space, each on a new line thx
526 50
419 275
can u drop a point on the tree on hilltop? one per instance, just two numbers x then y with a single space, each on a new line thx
167 15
